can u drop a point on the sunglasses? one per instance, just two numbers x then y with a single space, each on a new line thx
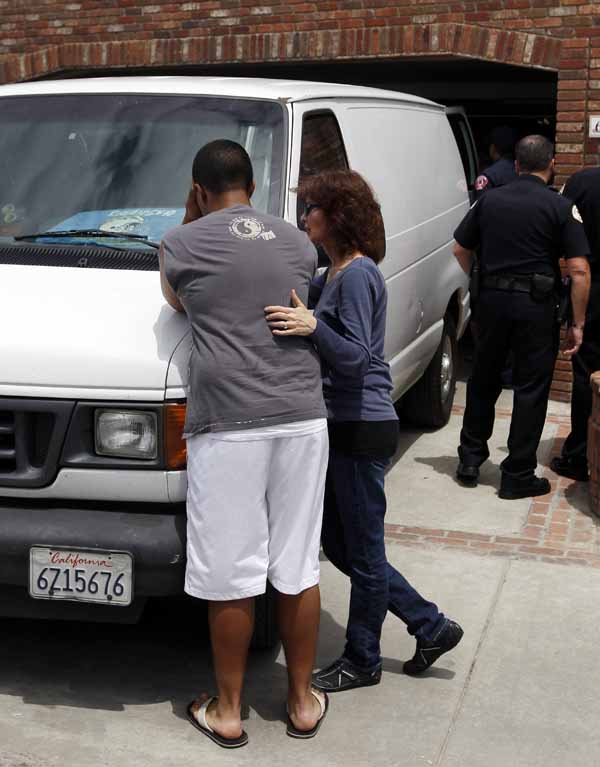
308 209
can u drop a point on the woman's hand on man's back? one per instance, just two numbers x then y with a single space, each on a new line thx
295 320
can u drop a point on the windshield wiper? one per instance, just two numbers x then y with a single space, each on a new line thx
89 233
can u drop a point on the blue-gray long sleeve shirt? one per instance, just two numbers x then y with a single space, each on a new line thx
350 334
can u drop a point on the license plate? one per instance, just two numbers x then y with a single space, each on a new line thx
79 575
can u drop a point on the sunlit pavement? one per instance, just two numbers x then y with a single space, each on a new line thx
521 690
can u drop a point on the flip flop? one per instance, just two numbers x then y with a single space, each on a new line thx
198 719
294 732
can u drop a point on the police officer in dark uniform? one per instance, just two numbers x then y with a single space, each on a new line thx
502 171
521 230
583 189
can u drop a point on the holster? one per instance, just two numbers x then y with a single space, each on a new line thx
542 287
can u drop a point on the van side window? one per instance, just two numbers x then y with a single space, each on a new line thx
465 147
322 147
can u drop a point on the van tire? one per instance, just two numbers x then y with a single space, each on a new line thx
266 634
429 401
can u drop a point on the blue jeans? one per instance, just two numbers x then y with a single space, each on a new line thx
353 540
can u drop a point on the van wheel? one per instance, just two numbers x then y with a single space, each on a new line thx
265 634
429 401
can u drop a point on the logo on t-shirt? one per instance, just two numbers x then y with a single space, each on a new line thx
245 228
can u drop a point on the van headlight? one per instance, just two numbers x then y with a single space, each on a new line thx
126 433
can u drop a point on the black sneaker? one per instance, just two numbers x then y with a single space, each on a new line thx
427 653
342 675
511 489
569 468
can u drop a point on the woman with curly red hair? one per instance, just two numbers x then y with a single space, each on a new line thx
347 328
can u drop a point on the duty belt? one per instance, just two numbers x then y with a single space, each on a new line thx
520 283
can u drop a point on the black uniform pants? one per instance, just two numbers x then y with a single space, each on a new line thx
510 322
585 362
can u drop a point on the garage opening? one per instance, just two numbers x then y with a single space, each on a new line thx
491 93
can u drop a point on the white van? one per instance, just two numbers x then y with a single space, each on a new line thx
93 362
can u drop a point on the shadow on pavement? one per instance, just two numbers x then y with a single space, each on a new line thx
395 666
166 657
408 436
104 666
446 464
578 496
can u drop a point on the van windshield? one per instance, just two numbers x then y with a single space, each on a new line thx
122 163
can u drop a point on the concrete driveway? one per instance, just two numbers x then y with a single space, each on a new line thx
521 690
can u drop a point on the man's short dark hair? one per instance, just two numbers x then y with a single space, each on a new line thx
534 154
503 138
222 166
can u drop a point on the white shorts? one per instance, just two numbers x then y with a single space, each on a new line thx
254 510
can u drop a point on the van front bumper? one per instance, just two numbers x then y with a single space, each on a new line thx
156 540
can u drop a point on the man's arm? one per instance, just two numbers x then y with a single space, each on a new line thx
464 256
167 290
467 236
576 249
579 272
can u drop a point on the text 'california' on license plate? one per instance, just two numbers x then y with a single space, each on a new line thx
81 575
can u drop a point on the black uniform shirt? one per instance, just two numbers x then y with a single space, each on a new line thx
523 228
583 188
500 173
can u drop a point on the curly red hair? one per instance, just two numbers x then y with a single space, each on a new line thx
352 211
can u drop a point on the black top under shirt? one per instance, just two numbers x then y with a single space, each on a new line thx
583 188
523 228
370 439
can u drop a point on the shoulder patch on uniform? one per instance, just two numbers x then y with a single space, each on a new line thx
481 182
576 214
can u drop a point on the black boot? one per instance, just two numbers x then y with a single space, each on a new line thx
512 488
467 475
567 467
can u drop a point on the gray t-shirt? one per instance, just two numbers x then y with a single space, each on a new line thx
225 268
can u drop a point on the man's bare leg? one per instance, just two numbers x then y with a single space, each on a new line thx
231 625
299 617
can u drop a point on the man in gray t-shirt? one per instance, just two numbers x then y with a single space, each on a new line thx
256 434
225 268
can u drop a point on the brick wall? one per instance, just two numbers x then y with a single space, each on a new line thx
42 36
45 35
557 34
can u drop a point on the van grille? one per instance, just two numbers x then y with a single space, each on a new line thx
8 455
32 433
